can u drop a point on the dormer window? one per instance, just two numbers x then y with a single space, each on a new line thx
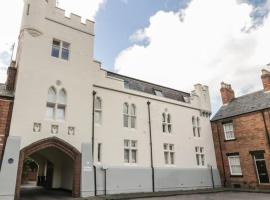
60 49
158 93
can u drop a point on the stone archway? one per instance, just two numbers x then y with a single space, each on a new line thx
60 145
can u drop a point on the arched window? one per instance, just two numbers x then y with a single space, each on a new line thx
194 128
166 123
51 102
169 124
56 104
198 127
133 116
163 122
125 114
98 110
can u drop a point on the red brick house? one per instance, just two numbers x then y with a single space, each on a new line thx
6 105
241 137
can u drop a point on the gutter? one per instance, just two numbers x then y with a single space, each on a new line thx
93 141
151 147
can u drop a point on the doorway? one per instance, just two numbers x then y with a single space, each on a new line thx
59 168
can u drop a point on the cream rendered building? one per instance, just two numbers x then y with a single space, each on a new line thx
145 137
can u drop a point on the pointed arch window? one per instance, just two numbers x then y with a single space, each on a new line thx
51 102
61 105
129 115
98 110
166 123
56 104
133 116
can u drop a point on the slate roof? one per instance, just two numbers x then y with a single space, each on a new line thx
245 104
149 88
4 92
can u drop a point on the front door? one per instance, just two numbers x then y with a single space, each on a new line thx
261 168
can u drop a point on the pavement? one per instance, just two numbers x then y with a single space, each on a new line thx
216 196
39 193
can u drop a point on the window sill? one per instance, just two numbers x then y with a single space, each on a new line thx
231 140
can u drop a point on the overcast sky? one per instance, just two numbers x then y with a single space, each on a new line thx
176 43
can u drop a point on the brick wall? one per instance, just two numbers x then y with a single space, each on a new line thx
5 117
250 133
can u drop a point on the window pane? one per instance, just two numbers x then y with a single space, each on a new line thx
199 132
62 97
165 146
166 157
126 155
125 120
133 143
51 95
172 158
198 159
194 131
50 111
99 152
164 128
134 156
169 118
133 110
98 103
125 108
171 147
126 143
65 54
169 128
133 122
56 49
202 159
60 113
97 117
163 117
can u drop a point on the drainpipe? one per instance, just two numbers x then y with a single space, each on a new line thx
151 147
266 129
93 141
221 153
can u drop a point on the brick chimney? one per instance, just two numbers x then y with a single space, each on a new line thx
227 93
11 77
265 80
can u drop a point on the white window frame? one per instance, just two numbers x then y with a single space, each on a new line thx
200 156
57 105
130 148
129 116
158 93
228 132
196 127
169 150
230 165
166 123
61 48
98 111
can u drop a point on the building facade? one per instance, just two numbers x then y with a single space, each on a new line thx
241 137
83 125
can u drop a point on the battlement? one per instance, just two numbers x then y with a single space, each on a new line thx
57 14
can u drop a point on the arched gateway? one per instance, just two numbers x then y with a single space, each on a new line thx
54 144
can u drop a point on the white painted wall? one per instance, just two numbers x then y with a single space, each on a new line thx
37 71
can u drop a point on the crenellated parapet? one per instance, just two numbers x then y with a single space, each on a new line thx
74 21
37 12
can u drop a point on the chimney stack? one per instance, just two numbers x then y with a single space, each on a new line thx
265 80
227 93
11 77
